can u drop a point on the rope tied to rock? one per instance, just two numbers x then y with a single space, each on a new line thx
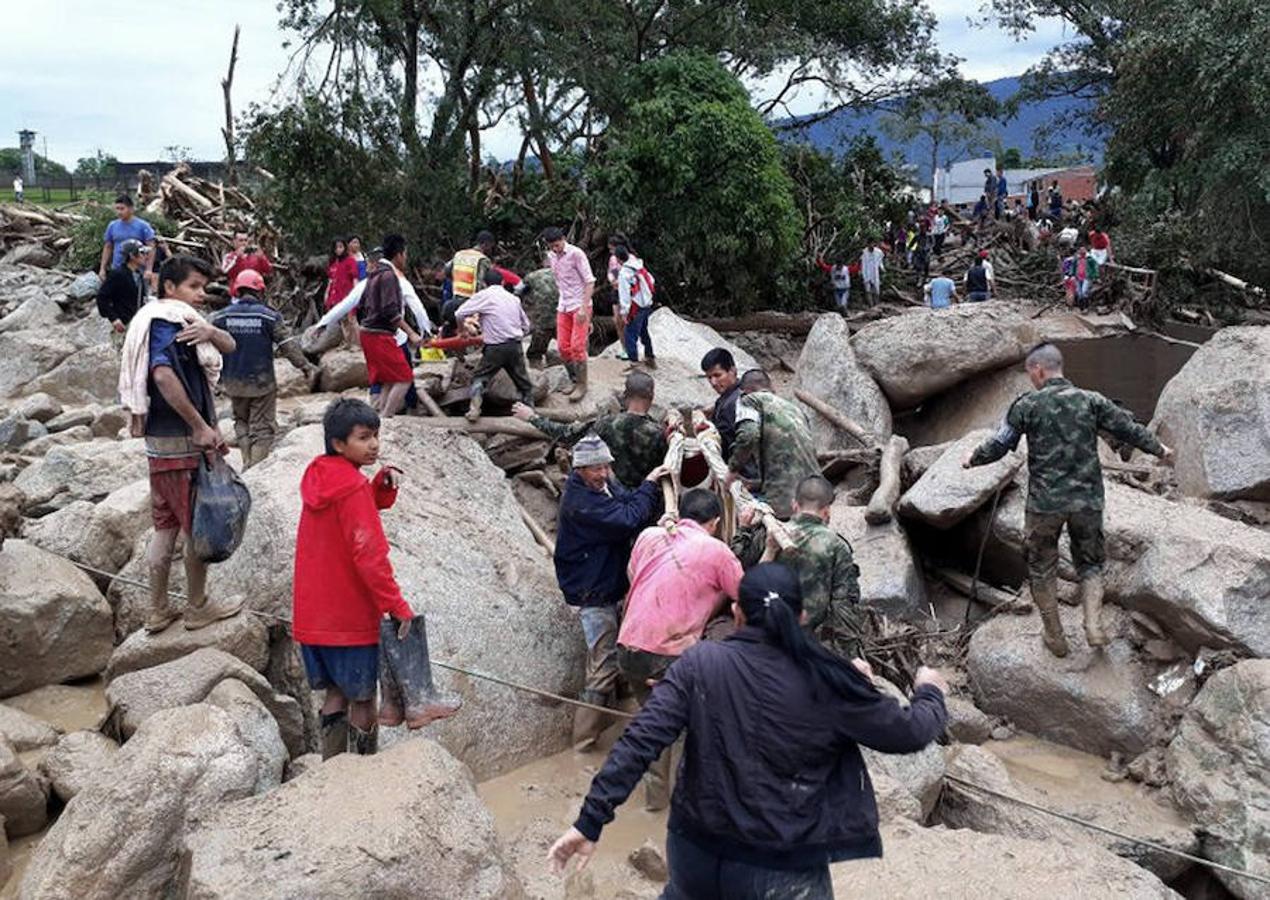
622 714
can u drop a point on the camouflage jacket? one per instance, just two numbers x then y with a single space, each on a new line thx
1062 422
774 432
637 441
827 572
539 299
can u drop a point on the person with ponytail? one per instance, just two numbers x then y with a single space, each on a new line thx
772 787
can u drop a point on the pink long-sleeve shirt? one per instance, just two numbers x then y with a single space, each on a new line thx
503 319
573 273
678 581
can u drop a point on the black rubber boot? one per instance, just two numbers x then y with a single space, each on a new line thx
334 734
409 664
364 743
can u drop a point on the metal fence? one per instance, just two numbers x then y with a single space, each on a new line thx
67 188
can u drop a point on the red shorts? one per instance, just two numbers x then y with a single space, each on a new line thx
385 363
172 495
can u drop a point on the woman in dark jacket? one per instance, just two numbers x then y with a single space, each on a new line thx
772 787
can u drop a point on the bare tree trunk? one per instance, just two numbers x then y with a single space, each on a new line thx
535 126
227 86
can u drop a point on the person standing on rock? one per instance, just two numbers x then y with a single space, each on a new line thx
171 360
598 520
124 290
381 311
576 284
639 439
248 377
871 268
126 226
773 787
840 280
774 435
978 289
344 583
503 329
823 561
681 577
941 292
635 288
1065 488
538 290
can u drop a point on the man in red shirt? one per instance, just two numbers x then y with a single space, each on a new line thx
245 255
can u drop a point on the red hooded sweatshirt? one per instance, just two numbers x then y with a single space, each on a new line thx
343 580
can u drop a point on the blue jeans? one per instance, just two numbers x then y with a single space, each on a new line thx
840 297
637 331
977 296
697 874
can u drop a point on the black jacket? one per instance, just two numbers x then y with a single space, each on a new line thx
256 329
594 534
771 774
120 295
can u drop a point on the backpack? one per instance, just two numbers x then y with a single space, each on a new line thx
644 282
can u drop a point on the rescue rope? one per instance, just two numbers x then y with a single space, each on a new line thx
622 714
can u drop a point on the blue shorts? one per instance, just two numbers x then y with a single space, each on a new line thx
354 670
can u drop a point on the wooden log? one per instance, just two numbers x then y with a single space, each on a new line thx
540 534
864 456
430 405
491 425
965 585
794 324
179 187
882 504
836 418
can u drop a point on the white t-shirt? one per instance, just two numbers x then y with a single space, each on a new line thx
17 185
871 265
941 224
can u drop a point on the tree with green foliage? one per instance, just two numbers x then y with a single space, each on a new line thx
100 165
11 161
693 174
948 116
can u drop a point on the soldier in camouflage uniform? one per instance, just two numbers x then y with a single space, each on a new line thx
824 562
538 294
1062 422
774 433
637 440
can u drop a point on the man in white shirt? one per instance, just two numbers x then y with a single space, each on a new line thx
871 268
18 194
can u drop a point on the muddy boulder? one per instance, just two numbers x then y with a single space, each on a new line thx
245 637
89 375
404 823
462 556
947 493
923 352
88 471
890 576
26 355
979 402
23 797
24 731
827 368
678 339
121 836
79 758
1220 765
1096 700
54 623
101 535
1215 413
343 369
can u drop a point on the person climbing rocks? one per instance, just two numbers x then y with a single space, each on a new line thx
344 583
637 440
124 290
1080 272
503 326
538 292
597 522
248 377
681 577
172 358
840 279
576 284
822 559
772 788
871 268
1062 422
774 434
635 288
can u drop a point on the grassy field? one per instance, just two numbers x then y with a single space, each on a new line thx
58 196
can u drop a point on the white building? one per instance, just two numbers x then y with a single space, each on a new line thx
962 182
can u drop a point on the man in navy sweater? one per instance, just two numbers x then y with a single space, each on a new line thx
599 520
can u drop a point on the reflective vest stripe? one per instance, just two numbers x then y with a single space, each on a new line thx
463 272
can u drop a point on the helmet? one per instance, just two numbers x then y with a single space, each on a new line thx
983 254
247 278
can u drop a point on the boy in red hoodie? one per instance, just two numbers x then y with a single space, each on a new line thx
344 582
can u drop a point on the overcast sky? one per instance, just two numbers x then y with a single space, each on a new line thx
86 74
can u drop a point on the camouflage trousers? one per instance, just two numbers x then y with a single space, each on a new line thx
1040 542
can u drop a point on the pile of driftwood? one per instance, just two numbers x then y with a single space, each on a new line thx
34 236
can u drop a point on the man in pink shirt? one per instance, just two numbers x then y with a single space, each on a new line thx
576 283
679 580
503 328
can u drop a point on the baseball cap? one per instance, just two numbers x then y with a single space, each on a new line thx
132 247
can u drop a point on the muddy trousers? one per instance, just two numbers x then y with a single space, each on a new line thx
255 425
599 627
698 874
639 667
1040 544
508 357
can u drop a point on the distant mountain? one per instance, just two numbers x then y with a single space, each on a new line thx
836 132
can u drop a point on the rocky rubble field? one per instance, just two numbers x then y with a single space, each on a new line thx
196 775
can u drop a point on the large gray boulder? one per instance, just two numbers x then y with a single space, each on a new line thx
890 576
678 339
404 823
1215 413
88 471
245 637
1081 792
137 696
24 731
101 535
343 369
78 759
462 556
54 623
1201 576
960 864
258 729
1220 765
827 368
121 835
26 355
23 797
978 402
90 375
922 352
947 493
1097 701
